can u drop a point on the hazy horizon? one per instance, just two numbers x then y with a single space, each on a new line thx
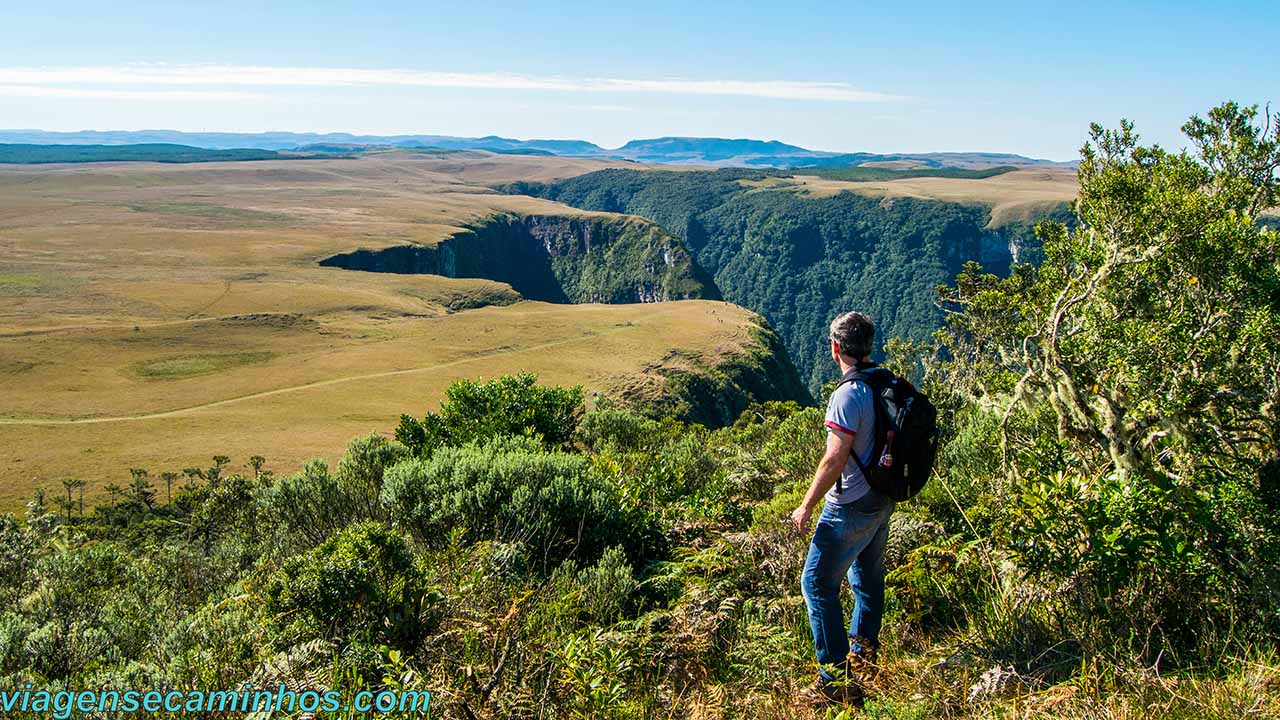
912 151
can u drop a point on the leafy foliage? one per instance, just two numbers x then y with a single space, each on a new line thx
510 405
363 583
1136 370
512 490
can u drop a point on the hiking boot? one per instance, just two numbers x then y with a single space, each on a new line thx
823 693
863 667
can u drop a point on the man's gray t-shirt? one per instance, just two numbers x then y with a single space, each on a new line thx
850 412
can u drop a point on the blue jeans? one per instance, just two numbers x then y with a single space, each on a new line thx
849 539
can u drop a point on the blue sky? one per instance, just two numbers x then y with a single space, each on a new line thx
923 76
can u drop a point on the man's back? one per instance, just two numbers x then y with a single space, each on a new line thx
850 411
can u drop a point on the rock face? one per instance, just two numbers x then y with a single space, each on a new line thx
555 258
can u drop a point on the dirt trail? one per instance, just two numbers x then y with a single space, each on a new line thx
306 386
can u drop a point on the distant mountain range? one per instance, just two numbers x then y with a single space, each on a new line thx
724 152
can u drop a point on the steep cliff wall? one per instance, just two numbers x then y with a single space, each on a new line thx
555 258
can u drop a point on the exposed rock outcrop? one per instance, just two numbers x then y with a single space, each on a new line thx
555 258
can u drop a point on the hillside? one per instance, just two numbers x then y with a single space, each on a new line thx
798 249
155 314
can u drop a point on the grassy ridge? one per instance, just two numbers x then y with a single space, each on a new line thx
150 152
868 174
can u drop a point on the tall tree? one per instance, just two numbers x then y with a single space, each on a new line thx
1152 329
141 488
214 474
71 484
168 476
114 492
1137 373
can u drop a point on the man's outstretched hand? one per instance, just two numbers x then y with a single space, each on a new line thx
800 517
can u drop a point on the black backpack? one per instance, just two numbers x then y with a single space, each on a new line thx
906 441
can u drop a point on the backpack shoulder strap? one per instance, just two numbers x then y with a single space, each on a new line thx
870 373
874 377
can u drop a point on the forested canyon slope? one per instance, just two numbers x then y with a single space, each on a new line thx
800 249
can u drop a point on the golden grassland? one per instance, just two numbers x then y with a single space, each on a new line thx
155 315
1016 196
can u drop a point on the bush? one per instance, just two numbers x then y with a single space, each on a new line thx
608 587
361 585
359 475
307 507
793 452
1173 568
610 427
14 630
509 405
514 490
678 477
79 590
17 555
311 505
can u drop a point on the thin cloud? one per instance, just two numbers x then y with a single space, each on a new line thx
117 94
601 108
85 78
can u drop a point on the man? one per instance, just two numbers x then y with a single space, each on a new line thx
852 528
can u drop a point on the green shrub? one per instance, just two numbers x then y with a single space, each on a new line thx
14 630
218 644
360 585
359 474
593 678
224 509
509 405
620 429
608 587
307 507
78 589
513 490
964 492
1178 567
679 477
793 452
17 556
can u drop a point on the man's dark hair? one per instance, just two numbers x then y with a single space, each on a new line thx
855 333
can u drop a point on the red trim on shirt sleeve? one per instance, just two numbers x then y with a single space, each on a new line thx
837 426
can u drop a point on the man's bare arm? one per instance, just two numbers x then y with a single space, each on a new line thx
839 445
